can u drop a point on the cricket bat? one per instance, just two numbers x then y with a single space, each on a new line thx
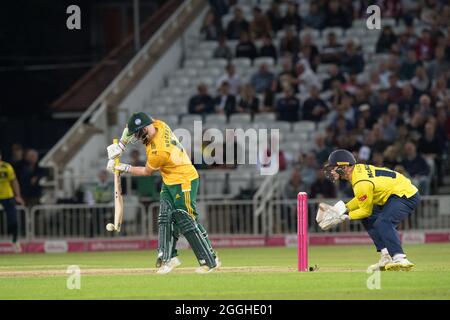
118 200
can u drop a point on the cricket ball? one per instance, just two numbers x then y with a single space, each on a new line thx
110 227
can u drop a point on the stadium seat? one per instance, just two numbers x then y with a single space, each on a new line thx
194 63
240 118
263 117
242 63
190 118
281 125
213 119
315 34
304 126
217 63
267 60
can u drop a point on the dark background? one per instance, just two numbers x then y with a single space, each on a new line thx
40 59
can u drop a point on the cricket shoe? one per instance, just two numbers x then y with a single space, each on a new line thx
399 264
218 262
174 262
165 268
205 269
381 264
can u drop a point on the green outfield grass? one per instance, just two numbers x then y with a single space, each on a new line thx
341 275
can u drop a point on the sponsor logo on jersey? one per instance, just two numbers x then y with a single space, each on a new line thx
362 198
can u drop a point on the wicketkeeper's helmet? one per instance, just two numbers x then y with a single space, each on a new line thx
337 160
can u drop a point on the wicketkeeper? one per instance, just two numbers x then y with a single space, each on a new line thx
178 212
383 198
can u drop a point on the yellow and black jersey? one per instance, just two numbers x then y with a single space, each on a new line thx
7 175
373 186
166 154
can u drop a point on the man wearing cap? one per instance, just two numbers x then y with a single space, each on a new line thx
178 212
382 199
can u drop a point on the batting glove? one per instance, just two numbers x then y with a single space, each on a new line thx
121 167
115 150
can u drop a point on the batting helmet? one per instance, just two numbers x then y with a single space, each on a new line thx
138 121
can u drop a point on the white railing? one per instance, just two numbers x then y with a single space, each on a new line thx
77 221
220 217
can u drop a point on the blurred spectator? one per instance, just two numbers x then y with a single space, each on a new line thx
336 16
289 42
287 76
267 49
291 189
322 188
322 150
366 115
394 91
431 146
306 76
102 191
232 78
260 25
223 50
333 74
390 157
263 79
135 159
424 46
202 102
220 7
378 159
245 47
332 51
225 102
352 60
420 81
308 51
288 107
294 185
439 90
314 108
408 100
30 175
275 18
211 28
237 25
248 102
314 18
408 67
17 160
425 106
309 169
386 40
292 18
416 167
439 65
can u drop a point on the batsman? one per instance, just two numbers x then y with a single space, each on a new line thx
382 199
177 212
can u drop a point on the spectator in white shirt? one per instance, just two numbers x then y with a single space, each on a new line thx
233 79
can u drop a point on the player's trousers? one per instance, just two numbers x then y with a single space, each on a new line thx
382 224
184 199
11 216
